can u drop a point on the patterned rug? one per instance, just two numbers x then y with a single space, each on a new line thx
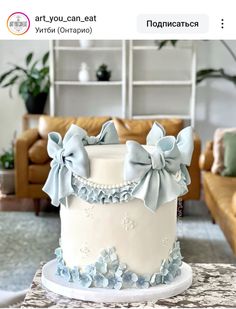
26 240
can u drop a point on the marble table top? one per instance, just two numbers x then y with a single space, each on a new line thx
214 286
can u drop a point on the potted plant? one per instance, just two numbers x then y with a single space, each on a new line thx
7 172
32 80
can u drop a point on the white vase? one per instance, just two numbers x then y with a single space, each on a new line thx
86 43
83 75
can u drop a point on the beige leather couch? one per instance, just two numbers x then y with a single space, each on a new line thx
220 196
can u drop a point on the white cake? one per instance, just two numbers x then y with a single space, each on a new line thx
118 208
142 238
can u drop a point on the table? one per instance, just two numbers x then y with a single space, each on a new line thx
214 285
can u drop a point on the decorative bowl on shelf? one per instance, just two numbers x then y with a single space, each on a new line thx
103 74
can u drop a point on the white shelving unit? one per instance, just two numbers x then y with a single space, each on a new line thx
146 82
58 51
135 50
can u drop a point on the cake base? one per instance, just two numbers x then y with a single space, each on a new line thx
58 285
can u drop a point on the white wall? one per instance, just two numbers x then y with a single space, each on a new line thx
216 99
12 109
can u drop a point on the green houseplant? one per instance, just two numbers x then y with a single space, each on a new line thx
32 80
7 173
7 159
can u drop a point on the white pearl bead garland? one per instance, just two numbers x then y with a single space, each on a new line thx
102 186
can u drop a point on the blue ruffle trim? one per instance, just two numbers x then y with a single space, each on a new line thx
108 272
98 195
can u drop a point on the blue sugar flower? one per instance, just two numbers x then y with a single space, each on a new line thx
167 278
164 270
100 281
90 270
143 282
74 274
101 266
58 253
84 280
113 267
120 269
174 268
114 282
156 279
63 271
129 279
109 255
175 253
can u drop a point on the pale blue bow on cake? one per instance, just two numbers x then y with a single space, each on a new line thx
69 156
156 170
108 135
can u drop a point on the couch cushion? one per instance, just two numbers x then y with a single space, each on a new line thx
229 154
137 129
61 124
38 152
234 203
92 125
38 173
218 149
221 189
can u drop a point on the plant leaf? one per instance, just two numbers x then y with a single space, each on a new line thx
162 44
44 71
34 65
173 42
45 58
29 58
3 76
11 81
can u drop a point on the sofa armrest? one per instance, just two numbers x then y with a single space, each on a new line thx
194 188
23 143
206 158
234 204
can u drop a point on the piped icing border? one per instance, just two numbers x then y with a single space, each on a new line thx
108 272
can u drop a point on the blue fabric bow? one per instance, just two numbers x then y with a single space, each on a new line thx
108 135
156 171
69 156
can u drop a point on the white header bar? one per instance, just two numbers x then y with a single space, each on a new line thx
110 19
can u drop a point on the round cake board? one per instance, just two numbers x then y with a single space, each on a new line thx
56 284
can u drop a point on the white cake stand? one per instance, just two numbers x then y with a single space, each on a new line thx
58 285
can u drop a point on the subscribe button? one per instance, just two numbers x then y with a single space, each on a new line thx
168 23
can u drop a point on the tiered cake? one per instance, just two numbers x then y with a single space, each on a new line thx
118 206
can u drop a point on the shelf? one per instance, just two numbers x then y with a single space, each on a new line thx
155 47
151 47
92 83
163 83
75 48
161 116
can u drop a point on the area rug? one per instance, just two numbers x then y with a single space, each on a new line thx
25 241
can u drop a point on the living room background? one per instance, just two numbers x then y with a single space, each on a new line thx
215 99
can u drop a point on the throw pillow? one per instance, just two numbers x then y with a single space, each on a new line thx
229 154
218 150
